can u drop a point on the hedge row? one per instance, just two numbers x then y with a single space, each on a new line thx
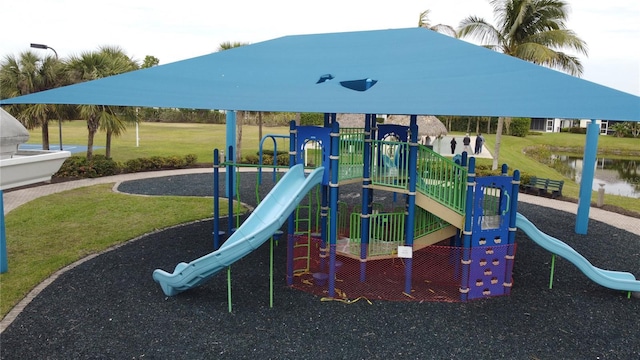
80 167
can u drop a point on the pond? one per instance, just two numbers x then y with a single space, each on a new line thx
620 177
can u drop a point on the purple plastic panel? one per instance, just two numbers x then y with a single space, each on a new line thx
489 271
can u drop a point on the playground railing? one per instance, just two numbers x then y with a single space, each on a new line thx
351 153
387 231
390 164
427 223
441 179
437 176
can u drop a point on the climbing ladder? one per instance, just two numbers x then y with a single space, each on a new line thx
491 254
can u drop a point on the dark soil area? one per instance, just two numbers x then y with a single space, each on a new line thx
110 307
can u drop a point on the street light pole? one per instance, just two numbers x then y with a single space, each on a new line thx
45 47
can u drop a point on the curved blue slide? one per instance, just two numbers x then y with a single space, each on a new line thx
617 280
263 222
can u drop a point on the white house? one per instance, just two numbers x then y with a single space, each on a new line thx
554 125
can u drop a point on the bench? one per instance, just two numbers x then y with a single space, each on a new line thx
541 186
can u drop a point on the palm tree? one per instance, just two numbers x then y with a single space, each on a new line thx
26 74
115 124
424 22
93 65
227 45
532 30
150 61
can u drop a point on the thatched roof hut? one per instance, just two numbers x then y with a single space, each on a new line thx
428 125
351 120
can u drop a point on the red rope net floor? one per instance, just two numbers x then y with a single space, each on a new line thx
436 275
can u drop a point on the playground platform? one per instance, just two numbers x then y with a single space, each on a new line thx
107 307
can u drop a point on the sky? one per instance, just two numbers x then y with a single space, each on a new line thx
178 30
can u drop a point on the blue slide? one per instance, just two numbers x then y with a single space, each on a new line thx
616 280
263 222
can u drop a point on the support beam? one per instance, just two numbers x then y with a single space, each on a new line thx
230 142
586 182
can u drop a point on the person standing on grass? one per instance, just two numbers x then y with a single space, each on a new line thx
466 141
453 145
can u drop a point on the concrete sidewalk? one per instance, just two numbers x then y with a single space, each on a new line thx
13 199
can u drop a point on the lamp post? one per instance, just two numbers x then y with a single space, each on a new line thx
45 47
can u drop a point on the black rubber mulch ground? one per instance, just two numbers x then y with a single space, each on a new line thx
110 308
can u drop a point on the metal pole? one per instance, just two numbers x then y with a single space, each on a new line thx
411 201
333 204
45 47
586 183
137 130
60 132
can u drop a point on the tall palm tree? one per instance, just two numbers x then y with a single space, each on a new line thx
424 22
532 30
116 124
26 74
227 45
91 65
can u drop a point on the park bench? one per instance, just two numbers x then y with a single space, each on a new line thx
541 186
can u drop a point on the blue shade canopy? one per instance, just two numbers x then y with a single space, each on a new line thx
400 71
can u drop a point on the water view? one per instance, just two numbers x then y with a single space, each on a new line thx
620 177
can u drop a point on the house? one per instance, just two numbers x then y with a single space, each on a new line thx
554 125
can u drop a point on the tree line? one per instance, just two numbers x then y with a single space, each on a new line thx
32 71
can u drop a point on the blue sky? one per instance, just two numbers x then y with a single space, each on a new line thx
177 30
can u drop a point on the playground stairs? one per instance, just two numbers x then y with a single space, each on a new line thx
434 237
444 212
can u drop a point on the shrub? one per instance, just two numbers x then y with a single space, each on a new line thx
283 160
103 166
311 119
190 160
485 170
524 179
134 165
577 130
270 152
251 159
159 162
520 126
80 167
267 159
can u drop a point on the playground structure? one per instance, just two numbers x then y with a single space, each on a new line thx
447 236
389 251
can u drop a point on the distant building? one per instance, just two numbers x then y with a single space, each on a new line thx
550 125
554 125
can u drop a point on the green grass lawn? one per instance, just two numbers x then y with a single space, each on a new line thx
51 232
163 139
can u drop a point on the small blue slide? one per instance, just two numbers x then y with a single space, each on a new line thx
263 222
616 280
